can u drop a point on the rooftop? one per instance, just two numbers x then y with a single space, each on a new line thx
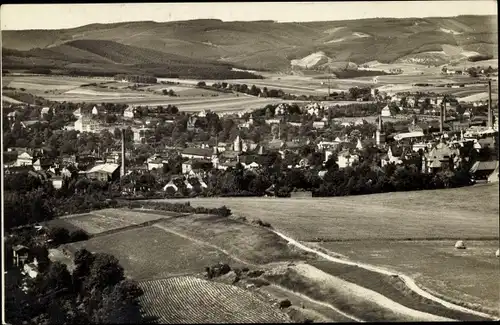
104 168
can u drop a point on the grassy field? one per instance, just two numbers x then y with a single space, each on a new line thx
469 275
391 287
153 253
461 213
108 219
190 300
362 303
303 308
249 243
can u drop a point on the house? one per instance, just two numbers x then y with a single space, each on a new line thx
95 110
20 254
275 144
386 112
296 124
24 159
56 181
295 145
45 111
318 124
252 165
171 185
409 135
273 121
104 172
129 112
197 153
31 269
395 155
42 164
359 122
12 116
86 124
440 157
227 164
323 145
421 145
78 112
191 124
156 162
328 154
346 159
483 169
187 166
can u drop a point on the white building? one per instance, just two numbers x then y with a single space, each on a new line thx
318 124
346 159
24 159
78 112
95 111
386 112
129 112
86 124
408 135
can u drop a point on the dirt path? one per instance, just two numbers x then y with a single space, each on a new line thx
407 280
317 302
352 289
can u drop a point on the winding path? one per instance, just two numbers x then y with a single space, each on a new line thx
407 280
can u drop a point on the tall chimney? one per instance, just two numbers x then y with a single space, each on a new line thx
122 167
441 115
490 123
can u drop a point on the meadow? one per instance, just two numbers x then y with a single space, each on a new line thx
153 253
469 275
462 213
106 220
191 300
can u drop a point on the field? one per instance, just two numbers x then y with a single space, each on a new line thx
190 300
105 220
153 253
461 213
409 232
469 275
251 244
303 307
358 302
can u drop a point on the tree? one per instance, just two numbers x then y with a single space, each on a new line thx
120 305
59 235
105 272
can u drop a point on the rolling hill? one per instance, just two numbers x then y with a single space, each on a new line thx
254 45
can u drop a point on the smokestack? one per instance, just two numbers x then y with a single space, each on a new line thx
122 167
490 123
441 115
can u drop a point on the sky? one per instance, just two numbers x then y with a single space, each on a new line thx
57 16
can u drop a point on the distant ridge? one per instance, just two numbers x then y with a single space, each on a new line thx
271 45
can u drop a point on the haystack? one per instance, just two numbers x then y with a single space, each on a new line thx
460 245
497 254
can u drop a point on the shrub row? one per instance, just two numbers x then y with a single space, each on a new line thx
177 207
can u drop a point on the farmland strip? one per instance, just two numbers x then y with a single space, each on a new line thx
407 280
203 243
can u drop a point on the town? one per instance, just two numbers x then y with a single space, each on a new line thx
222 171
188 154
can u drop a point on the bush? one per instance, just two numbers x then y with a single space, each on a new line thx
261 223
59 235
78 235
217 270
285 303
255 273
